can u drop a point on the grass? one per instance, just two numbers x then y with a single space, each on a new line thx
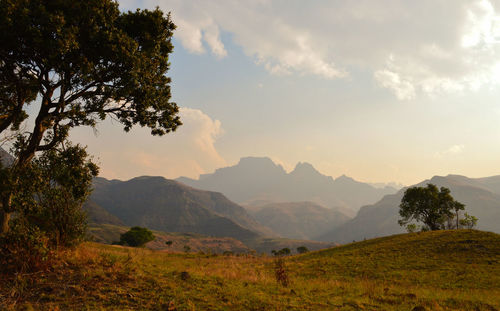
446 270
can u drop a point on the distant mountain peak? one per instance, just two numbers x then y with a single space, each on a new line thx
256 161
304 167
344 177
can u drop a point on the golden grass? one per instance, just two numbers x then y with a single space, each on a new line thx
449 270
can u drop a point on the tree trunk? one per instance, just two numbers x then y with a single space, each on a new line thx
4 221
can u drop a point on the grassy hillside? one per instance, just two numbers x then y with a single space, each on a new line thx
447 270
107 234
181 242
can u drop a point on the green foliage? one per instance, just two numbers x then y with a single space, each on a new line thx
23 249
168 243
82 58
468 221
136 236
48 198
282 252
51 191
429 205
412 228
83 61
302 250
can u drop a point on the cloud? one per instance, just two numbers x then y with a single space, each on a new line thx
453 150
189 151
410 47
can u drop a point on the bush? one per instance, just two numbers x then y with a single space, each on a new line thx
136 236
282 252
25 248
281 272
411 228
302 249
468 221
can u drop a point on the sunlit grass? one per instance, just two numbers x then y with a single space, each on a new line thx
453 270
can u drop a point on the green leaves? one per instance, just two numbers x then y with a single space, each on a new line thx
85 60
429 205
136 236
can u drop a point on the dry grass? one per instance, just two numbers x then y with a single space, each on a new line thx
394 273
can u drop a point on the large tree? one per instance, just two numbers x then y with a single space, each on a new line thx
76 63
429 205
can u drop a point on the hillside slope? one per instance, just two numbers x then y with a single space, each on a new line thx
381 218
297 220
446 270
166 205
98 215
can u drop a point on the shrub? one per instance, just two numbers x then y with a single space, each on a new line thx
468 221
280 272
25 248
411 228
136 236
302 249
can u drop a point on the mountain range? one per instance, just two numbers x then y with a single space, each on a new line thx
258 180
297 220
166 205
480 195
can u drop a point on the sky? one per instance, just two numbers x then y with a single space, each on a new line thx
381 91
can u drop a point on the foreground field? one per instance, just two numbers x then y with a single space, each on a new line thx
446 270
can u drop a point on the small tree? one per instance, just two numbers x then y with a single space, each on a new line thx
137 237
302 249
282 252
48 200
429 205
468 221
411 228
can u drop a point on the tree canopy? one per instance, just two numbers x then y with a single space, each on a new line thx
136 236
76 63
429 205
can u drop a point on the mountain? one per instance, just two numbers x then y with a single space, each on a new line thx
98 215
297 220
480 195
256 179
166 205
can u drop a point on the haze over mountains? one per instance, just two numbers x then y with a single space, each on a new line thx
166 205
256 181
277 204
297 220
480 195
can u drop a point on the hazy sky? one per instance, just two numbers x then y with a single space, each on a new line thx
377 90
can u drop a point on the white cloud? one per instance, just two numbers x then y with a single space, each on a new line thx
410 47
189 151
453 150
